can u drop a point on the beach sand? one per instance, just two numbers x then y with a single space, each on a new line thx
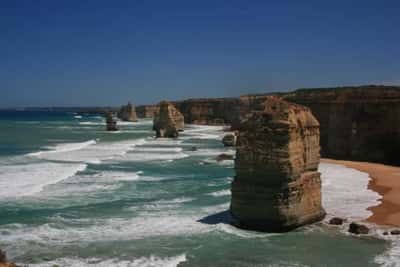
385 180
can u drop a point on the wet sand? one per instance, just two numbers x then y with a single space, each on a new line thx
385 180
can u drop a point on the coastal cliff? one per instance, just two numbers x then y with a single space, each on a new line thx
209 111
357 123
127 113
169 121
277 186
147 111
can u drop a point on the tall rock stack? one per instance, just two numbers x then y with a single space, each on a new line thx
127 113
169 121
277 186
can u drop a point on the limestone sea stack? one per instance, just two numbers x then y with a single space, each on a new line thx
169 121
111 122
277 186
127 113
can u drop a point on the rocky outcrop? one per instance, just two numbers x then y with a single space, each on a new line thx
111 123
127 113
358 229
147 111
277 186
337 221
357 123
4 262
169 121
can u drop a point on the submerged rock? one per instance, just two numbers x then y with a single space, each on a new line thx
169 121
111 122
337 221
395 232
229 140
127 113
223 157
358 229
277 186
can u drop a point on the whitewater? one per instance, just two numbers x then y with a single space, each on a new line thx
72 194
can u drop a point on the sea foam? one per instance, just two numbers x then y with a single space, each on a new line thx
345 192
29 179
151 261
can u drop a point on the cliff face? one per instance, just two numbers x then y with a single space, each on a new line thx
212 111
169 121
357 123
277 186
127 113
147 111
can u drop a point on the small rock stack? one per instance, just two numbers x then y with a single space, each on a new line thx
111 122
127 113
277 186
169 121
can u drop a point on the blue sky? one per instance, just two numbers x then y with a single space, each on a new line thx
77 52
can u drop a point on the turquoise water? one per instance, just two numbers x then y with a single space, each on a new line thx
72 194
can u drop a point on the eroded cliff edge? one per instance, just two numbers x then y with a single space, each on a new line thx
277 186
357 123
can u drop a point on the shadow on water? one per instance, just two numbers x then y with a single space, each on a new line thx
217 218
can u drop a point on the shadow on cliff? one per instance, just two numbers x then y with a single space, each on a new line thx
217 218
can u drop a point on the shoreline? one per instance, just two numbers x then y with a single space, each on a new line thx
385 180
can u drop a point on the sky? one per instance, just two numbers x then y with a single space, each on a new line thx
101 52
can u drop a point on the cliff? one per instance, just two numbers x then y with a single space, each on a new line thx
147 111
169 121
210 111
277 186
127 113
357 123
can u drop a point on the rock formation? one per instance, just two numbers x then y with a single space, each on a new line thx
127 113
357 123
111 122
147 111
277 186
4 262
169 121
358 229
210 111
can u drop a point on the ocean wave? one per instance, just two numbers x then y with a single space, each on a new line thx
89 152
92 123
145 157
20 180
64 147
391 257
221 193
345 192
151 261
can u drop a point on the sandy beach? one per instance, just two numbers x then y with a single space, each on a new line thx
385 180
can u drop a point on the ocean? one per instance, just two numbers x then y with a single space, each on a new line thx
72 194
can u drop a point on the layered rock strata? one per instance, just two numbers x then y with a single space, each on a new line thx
169 121
209 111
147 111
277 186
357 123
127 113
